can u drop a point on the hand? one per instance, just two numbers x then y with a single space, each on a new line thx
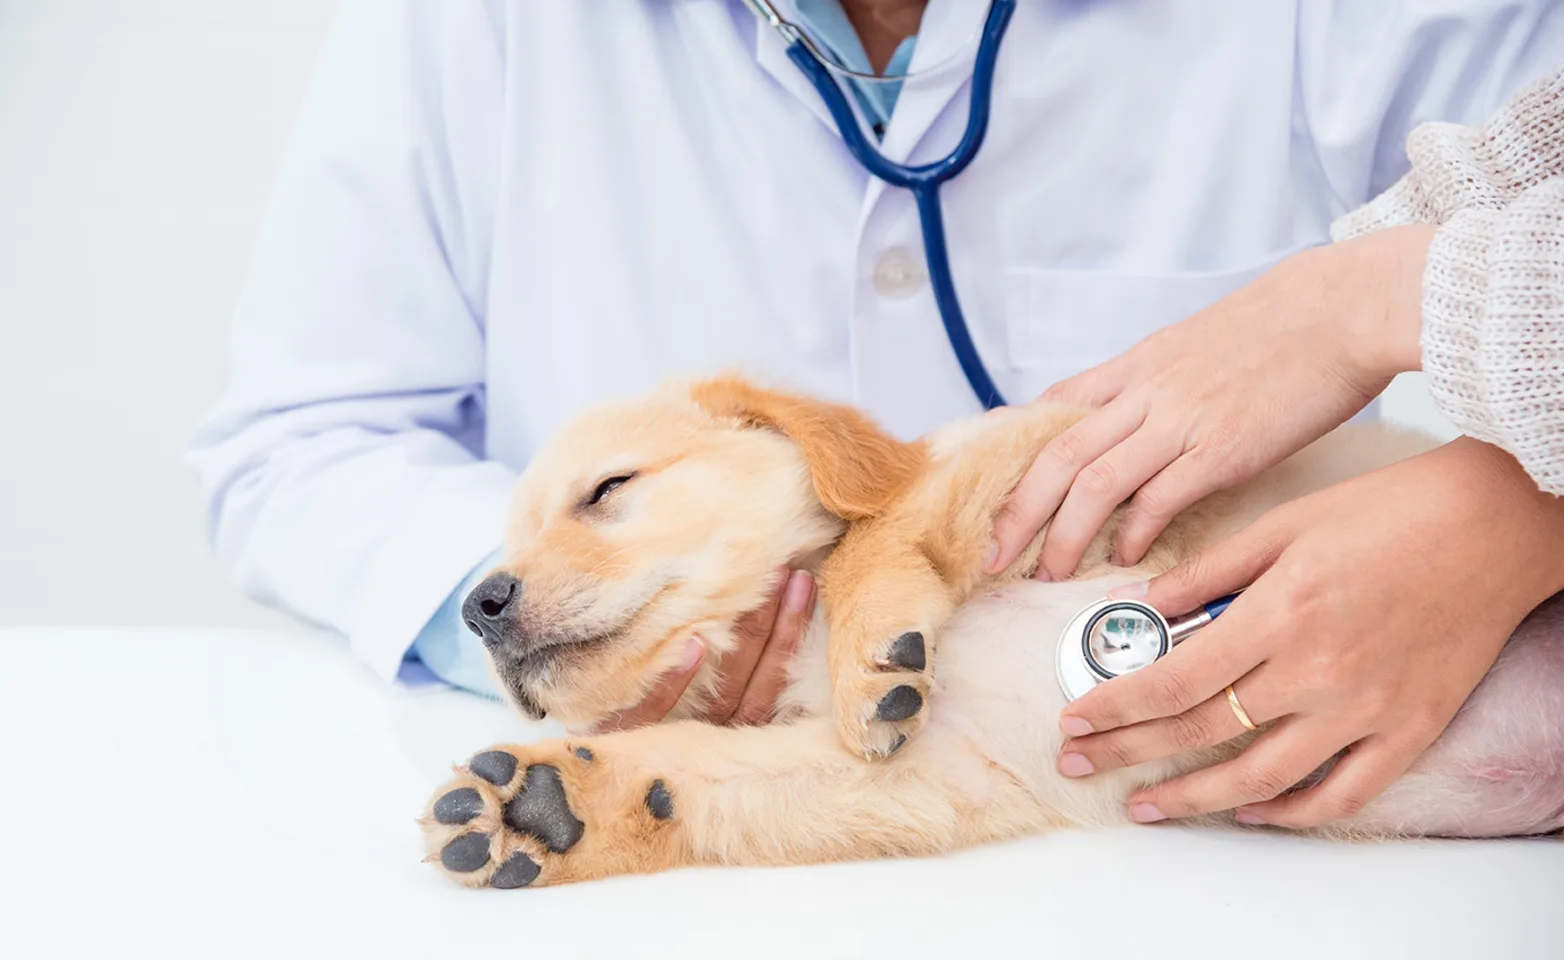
753 675
1376 607
1213 400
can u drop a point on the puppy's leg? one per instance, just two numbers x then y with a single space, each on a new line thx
885 604
689 793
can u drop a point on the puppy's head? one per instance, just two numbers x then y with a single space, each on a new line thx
643 523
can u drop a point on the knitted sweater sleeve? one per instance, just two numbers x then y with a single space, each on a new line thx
1493 288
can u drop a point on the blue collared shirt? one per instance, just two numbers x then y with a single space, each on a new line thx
828 22
445 646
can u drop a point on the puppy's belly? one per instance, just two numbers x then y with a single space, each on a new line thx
1498 770
997 683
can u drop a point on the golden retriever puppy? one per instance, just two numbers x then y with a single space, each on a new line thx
922 710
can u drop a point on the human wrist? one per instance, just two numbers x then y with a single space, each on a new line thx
1379 290
1529 521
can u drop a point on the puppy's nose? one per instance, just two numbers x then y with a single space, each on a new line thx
490 609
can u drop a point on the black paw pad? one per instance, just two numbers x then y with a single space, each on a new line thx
458 806
901 703
466 853
495 766
583 753
541 811
518 871
907 652
659 801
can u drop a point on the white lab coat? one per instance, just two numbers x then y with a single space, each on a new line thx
493 214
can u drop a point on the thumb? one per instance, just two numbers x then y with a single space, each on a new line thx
1214 572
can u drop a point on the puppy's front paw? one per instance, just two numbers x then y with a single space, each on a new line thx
549 813
881 702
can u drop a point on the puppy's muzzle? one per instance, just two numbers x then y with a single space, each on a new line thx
490 610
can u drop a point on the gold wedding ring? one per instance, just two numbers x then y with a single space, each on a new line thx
1238 709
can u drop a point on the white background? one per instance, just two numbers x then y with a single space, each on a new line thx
138 139
137 143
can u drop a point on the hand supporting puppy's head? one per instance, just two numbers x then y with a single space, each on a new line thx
640 524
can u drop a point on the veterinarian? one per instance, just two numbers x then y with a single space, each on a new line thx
492 215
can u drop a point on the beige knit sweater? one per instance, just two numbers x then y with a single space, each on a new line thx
1493 289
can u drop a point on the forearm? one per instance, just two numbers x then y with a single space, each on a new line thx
345 468
352 517
1529 521
1375 285
1478 305
1478 302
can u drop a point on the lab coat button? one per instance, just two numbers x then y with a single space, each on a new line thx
899 274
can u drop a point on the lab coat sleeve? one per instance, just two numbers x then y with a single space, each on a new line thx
1369 72
344 468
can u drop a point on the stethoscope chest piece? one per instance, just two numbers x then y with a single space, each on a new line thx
1111 638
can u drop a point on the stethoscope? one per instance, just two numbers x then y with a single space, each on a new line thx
1111 638
923 181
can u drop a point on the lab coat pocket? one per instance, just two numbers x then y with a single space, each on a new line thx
1062 321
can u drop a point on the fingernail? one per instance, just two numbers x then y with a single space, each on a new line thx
1248 819
1130 591
1075 765
799 585
1043 576
694 650
1146 813
1074 726
991 556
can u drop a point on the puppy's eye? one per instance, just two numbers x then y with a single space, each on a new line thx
608 486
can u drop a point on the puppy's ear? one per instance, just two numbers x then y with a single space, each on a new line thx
857 468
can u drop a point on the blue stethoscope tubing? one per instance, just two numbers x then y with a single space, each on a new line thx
924 181
1219 606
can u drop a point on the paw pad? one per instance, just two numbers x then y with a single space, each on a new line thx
659 801
516 872
540 810
907 652
495 766
901 703
466 853
458 806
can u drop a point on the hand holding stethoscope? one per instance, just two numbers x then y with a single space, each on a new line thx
1370 610
1373 609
